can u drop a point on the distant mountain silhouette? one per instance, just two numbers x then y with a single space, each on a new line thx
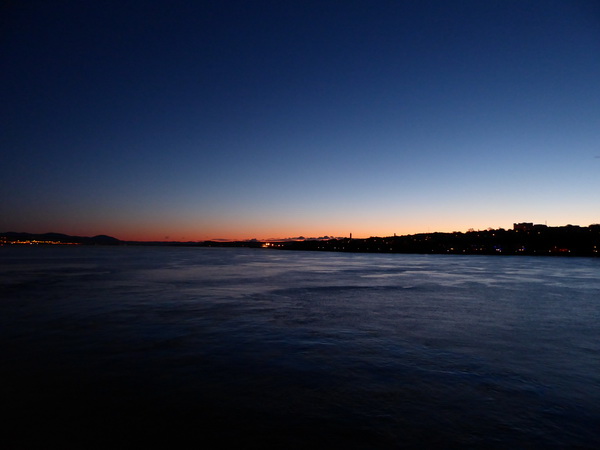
62 238
105 240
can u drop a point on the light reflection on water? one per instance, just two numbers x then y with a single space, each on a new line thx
299 348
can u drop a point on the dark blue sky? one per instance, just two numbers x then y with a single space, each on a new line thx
199 120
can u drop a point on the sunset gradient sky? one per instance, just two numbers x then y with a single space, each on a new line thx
189 120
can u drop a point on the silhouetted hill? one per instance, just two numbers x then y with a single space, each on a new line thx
103 239
53 238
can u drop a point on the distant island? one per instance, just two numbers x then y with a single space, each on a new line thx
524 239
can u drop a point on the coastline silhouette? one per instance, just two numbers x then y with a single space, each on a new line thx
524 239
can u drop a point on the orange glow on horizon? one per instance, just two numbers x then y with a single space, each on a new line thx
271 234
279 229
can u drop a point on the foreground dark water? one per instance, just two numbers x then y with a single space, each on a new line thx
199 347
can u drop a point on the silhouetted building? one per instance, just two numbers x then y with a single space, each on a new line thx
523 226
529 226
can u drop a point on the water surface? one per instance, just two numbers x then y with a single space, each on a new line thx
266 348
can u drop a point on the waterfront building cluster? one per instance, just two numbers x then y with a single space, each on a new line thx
523 239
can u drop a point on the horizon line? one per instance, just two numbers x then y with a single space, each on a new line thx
297 238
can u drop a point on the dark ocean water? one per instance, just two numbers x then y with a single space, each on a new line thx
199 347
